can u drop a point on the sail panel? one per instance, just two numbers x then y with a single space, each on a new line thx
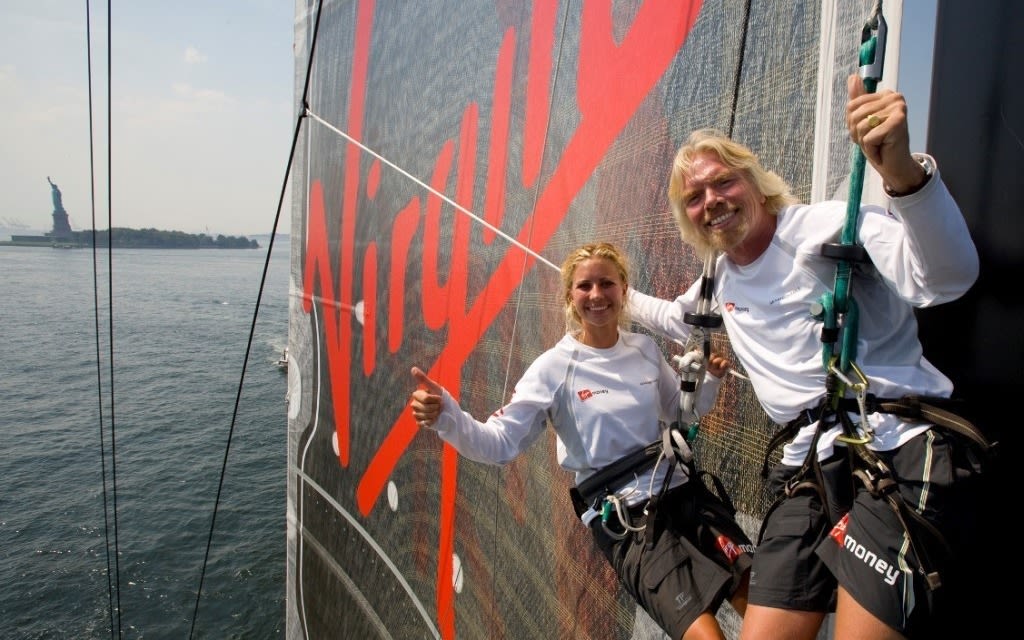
451 155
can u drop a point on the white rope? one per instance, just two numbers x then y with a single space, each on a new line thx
432 190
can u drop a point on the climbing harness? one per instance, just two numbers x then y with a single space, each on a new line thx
598 491
839 315
693 363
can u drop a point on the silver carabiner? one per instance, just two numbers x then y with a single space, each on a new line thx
873 69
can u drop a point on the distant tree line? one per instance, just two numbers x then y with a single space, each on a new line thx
124 238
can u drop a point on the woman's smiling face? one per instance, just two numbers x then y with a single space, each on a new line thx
597 294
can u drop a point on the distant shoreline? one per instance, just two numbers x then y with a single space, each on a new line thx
126 238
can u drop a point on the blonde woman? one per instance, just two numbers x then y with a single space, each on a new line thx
609 394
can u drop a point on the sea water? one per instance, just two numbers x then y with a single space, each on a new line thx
129 401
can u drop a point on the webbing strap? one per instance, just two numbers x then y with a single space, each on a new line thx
913 407
607 478
808 416
879 481
925 409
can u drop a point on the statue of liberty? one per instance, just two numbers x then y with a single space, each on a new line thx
61 224
58 204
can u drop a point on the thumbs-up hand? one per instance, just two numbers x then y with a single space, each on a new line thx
425 401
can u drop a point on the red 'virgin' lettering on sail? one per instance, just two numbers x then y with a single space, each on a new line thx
613 79
338 331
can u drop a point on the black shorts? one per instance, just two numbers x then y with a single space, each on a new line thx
862 544
787 574
699 556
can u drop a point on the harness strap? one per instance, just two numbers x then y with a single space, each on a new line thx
788 492
874 474
677 452
914 407
878 480
808 416
925 408
601 486
607 478
797 483
720 491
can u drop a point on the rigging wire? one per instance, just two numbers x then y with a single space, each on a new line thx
113 588
109 507
739 67
432 190
252 332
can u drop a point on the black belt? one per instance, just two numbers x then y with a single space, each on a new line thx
606 479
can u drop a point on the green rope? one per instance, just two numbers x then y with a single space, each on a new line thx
838 302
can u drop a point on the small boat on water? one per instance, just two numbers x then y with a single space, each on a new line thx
282 362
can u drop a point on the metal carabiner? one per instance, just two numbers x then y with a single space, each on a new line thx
860 391
607 509
872 54
859 386
865 426
691 368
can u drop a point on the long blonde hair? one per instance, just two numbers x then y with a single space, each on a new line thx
607 251
734 155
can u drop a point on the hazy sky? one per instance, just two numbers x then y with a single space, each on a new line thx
203 111
202 119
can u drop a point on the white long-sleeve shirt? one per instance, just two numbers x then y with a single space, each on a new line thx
602 403
921 255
